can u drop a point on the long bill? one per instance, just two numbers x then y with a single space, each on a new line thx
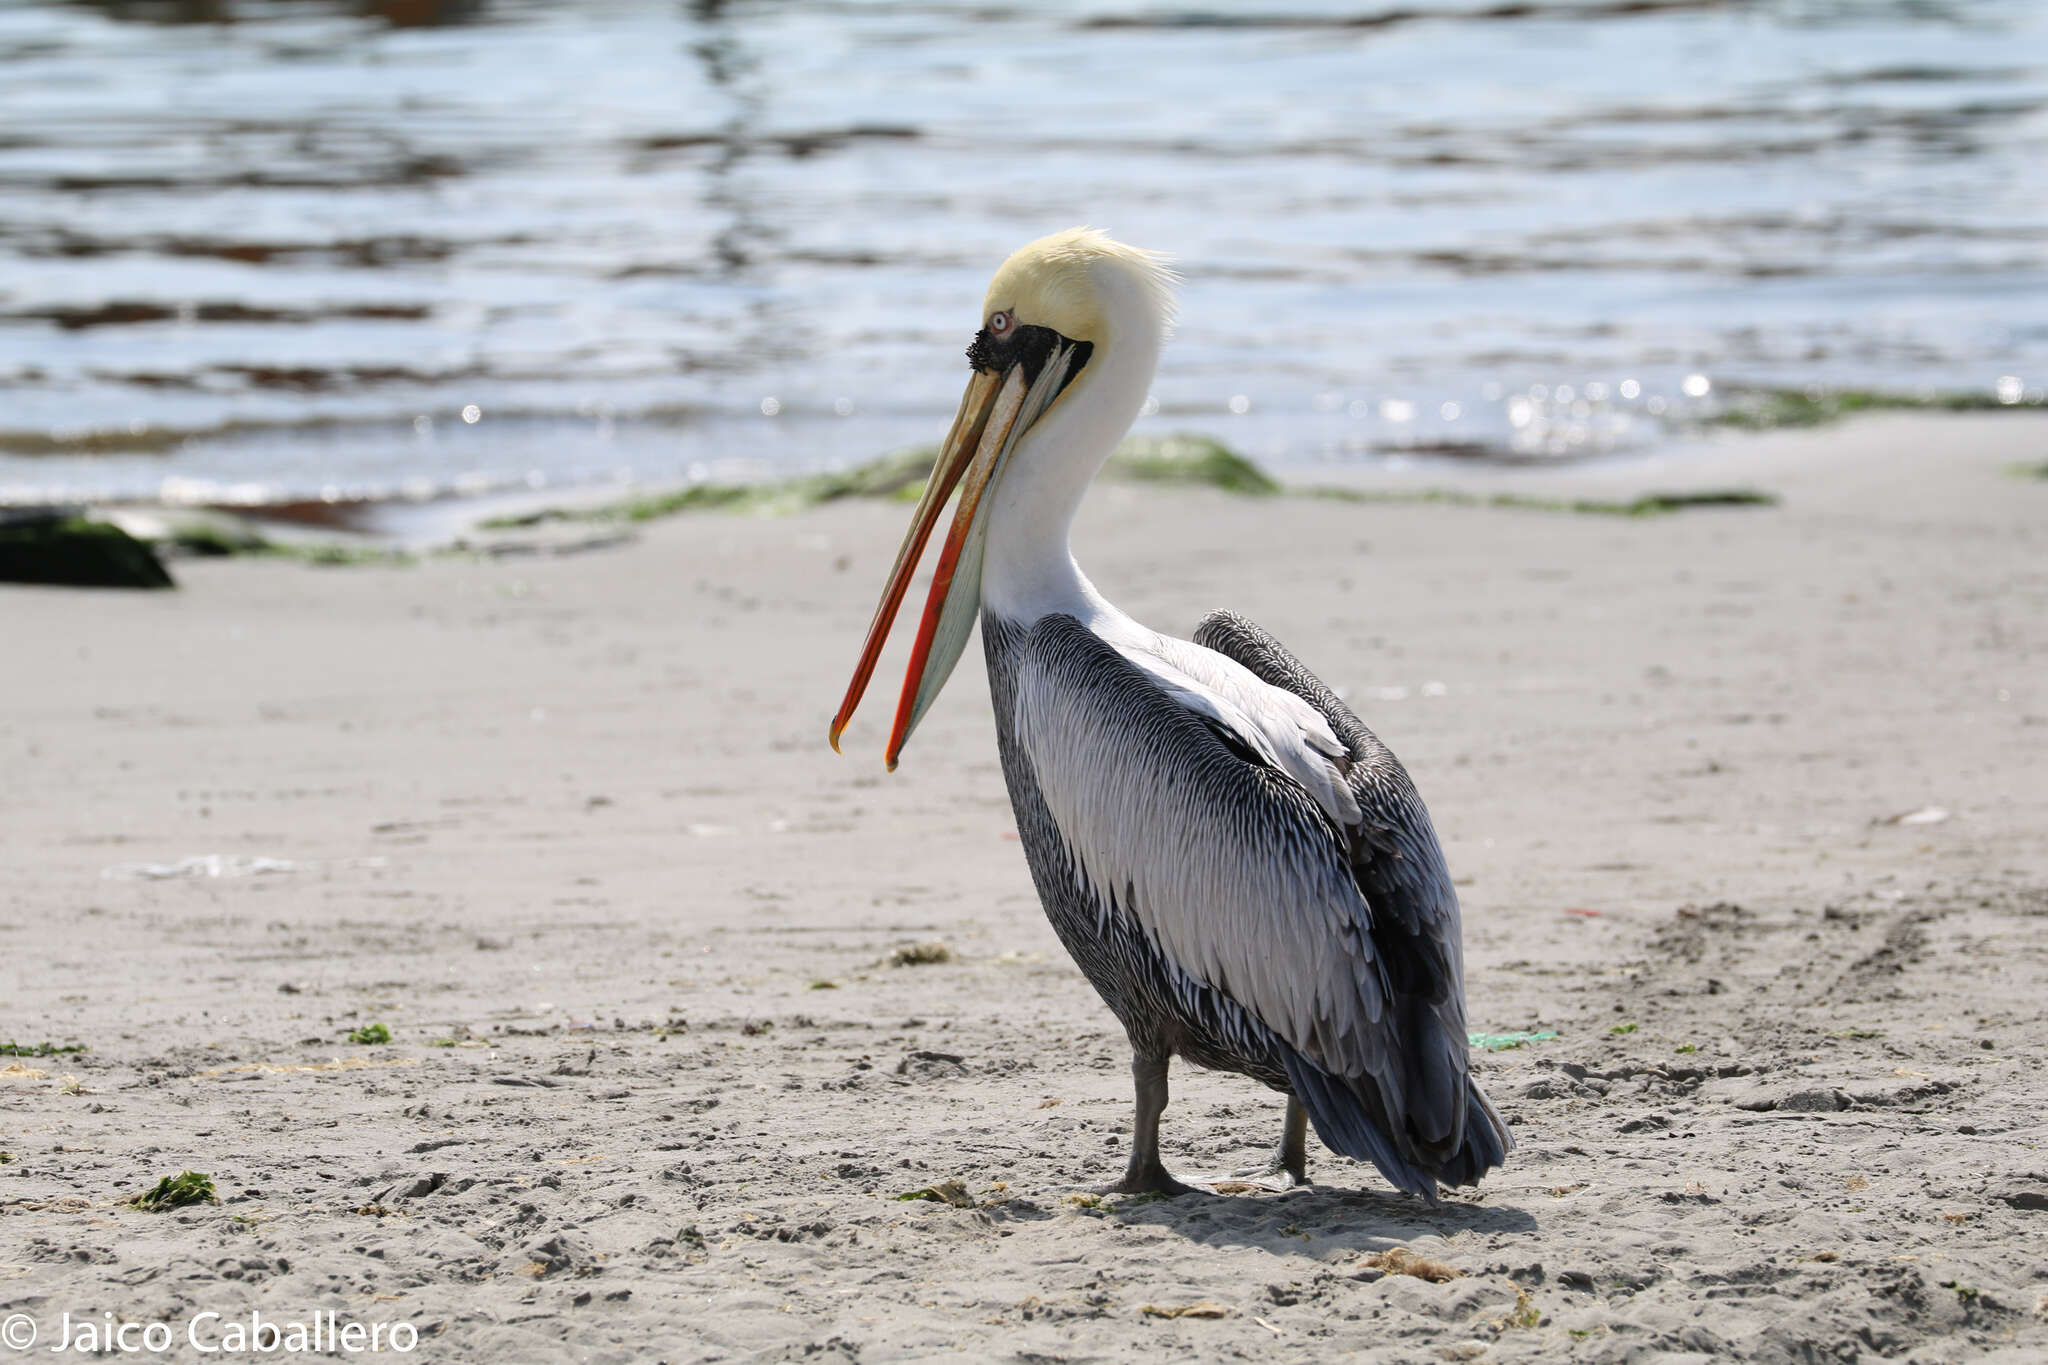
994 413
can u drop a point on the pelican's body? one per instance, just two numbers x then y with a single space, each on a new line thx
1241 869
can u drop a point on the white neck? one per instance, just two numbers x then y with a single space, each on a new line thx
1028 571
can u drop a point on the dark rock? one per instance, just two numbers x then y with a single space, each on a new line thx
60 547
1764 1098
559 1254
930 1066
2033 1200
415 1187
1817 1101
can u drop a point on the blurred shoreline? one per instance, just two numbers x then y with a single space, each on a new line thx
784 445
1722 469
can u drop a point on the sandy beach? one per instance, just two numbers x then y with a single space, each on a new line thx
1746 805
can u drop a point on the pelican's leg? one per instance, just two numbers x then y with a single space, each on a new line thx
1288 1166
1146 1174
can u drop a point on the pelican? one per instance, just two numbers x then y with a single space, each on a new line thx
1242 870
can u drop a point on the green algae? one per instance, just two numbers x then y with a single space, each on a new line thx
1183 459
1189 461
1769 409
1647 505
176 1191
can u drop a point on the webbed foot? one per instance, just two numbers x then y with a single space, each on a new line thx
1274 1176
1146 1178
1286 1169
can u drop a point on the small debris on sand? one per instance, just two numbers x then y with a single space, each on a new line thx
1502 1042
1204 1309
1402 1261
944 1192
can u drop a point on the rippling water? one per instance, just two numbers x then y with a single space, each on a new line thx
264 251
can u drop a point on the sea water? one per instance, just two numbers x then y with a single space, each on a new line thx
258 252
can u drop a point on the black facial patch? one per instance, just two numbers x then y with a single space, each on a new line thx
1026 346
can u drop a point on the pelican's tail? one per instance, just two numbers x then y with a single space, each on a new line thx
1350 1117
1487 1141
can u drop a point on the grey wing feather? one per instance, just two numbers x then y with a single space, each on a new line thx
1398 866
1227 864
1397 848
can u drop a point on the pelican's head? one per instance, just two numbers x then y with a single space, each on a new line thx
1082 285
1049 310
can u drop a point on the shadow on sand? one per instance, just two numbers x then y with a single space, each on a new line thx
1354 1220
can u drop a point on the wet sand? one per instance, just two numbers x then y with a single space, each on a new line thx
568 828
